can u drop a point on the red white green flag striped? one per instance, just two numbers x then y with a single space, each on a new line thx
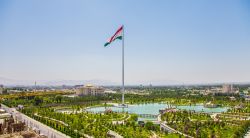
118 35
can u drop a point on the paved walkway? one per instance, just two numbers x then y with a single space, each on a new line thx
247 135
35 125
159 118
168 128
164 126
154 135
122 121
65 124
61 122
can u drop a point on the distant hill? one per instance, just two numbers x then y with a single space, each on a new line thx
12 82
6 81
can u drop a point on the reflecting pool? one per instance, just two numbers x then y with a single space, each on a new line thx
153 108
149 109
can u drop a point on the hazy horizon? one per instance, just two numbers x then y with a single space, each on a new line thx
11 82
190 42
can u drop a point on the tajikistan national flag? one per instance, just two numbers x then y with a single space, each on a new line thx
117 35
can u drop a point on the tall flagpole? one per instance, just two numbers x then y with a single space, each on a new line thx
123 89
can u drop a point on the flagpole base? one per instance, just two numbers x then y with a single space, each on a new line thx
123 106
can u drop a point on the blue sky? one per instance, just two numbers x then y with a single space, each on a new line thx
166 41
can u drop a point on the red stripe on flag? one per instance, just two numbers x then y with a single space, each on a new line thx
120 29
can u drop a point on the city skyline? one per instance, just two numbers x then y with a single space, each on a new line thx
166 42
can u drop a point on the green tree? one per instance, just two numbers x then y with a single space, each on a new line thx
58 98
149 125
38 100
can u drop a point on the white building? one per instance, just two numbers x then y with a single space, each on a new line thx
90 90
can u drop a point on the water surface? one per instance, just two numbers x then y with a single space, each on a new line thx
153 108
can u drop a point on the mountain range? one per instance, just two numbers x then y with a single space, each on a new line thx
13 82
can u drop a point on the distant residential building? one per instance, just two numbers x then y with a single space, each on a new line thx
109 91
227 88
141 86
1 89
245 91
90 90
13 91
247 98
232 98
150 85
213 90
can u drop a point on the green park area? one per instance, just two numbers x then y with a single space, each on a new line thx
48 108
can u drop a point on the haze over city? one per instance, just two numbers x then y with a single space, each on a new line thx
124 69
166 42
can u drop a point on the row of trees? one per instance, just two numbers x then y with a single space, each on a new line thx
201 125
96 125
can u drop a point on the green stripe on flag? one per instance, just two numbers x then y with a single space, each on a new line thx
119 37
